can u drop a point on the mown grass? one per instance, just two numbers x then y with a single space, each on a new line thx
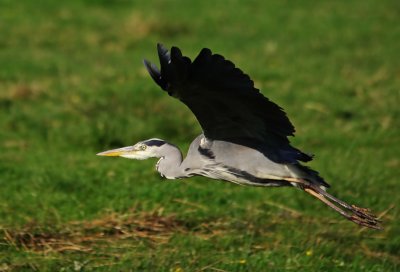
72 84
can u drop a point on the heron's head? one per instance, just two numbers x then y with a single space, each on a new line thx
140 151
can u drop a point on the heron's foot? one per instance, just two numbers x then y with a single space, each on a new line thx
364 217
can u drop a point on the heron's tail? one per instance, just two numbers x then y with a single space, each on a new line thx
360 216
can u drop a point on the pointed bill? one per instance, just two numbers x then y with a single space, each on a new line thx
116 152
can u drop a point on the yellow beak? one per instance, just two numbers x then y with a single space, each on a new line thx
116 152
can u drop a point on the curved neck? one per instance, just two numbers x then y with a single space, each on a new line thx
170 162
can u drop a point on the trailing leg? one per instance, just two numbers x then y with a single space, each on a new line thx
360 216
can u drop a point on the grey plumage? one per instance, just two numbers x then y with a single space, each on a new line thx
245 135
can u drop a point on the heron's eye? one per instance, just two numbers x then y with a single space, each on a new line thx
143 147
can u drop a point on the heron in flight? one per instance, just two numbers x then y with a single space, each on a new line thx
245 135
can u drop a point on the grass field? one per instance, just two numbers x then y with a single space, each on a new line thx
72 84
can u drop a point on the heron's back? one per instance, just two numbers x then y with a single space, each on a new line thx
241 164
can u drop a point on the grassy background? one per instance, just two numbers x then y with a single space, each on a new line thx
72 84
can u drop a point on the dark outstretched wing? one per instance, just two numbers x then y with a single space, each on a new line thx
226 103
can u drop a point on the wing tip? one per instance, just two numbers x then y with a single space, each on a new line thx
155 73
161 47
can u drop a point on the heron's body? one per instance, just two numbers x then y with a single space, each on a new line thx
245 135
230 162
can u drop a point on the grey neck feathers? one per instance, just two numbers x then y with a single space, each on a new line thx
170 163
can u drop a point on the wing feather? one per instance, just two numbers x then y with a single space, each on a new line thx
226 103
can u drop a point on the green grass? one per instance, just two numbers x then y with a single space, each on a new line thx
72 84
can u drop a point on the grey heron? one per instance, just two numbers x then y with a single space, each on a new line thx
245 135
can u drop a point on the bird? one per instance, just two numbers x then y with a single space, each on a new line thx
244 136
